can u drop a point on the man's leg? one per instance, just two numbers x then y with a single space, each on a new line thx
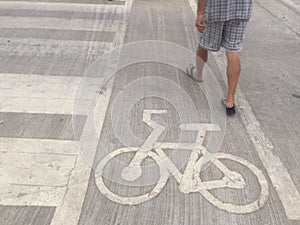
233 74
201 59
211 40
233 36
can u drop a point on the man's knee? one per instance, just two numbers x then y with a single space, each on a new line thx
233 56
201 50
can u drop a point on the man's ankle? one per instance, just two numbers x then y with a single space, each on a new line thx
229 101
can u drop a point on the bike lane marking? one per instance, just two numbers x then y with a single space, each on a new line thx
189 181
283 183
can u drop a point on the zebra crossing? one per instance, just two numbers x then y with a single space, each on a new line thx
49 172
95 33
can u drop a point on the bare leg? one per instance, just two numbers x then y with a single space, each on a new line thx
201 59
233 74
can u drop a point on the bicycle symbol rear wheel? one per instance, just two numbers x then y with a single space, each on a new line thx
130 200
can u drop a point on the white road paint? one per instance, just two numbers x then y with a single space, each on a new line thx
27 195
48 47
39 94
38 105
132 200
68 212
35 169
38 86
59 23
62 6
190 180
35 172
39 146
101 106
235 208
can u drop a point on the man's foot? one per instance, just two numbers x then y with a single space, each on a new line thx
191 71
229 102
229 105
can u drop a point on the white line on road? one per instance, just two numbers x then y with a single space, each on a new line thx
37 86
35 169
279 175
40 146
38 105
26 195
61 6
35 172
41 47
59 23
40 94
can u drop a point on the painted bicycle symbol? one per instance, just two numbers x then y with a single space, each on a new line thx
189 181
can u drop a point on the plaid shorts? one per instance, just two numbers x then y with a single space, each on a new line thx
227 34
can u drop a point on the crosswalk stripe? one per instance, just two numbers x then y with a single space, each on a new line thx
39 179
40 167
40 146
24 195
40 94
61 14
53 34
38 86
40 47
31 105
59 23
36 169
61 6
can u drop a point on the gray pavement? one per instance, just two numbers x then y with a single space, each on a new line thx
46 175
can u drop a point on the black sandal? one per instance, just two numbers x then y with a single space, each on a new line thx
229 111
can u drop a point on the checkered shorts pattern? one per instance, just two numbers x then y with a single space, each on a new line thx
222 10
228 34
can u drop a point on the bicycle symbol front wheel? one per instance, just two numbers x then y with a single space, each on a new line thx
258 203
130 200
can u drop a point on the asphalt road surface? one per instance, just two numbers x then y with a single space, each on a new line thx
91 133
